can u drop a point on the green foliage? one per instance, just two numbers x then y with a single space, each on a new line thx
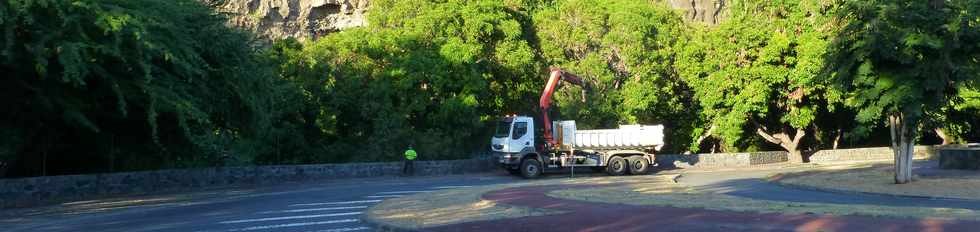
426 72
624 50
908 57
114 85
759 69
957 118
165 82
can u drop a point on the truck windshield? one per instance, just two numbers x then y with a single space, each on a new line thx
503 129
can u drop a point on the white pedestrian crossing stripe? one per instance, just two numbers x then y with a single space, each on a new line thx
452 186
289 217
385 196
343 229
277 226
401 192
314 209
336 203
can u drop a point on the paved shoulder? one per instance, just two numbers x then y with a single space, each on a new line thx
592 216
750 184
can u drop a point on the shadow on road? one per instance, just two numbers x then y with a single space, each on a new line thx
763 190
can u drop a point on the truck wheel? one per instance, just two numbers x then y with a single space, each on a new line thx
639 165
617 166
530 168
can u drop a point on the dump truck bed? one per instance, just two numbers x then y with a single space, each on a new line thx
625 137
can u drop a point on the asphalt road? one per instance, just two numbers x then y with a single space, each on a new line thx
337 206
334 206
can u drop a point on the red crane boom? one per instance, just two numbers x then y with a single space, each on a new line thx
556 76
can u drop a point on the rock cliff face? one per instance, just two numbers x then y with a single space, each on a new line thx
300 19
305 19
707 11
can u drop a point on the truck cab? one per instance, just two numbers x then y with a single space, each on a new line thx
512 140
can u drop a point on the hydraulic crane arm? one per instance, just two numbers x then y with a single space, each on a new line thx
557 75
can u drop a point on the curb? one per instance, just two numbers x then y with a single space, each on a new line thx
775 180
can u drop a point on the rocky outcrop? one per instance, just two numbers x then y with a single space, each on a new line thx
305 19
300 19
707 11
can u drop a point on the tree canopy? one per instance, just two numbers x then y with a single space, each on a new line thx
417 74
85 81
755 74
904 60
118 85
624 50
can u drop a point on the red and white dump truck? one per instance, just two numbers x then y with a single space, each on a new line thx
517 148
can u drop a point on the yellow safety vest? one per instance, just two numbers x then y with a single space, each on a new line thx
410 154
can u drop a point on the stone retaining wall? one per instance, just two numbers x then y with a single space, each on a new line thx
960 158
721 159
871 153
32 191
40 190
770 157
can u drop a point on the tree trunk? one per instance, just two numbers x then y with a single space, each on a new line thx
706 134
942 134
3 169
837 138
792 145
795 156
702 138
902 144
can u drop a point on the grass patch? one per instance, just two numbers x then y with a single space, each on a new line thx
880 179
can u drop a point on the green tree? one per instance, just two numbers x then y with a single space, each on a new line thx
111 85
624 50
903 60
755 74
429 72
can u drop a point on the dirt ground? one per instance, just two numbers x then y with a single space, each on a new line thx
928 181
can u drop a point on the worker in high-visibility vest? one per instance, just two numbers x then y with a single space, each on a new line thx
409 168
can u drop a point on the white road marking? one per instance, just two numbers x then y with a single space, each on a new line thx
343 229
336 203
401 192
289 217
452 186
385 196
313 209
265 227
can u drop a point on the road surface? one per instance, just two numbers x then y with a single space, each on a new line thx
337 206
334 206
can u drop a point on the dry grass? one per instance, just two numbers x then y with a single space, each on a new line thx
880 179
466 205
684 197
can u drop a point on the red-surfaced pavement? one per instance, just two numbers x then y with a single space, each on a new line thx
592 216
